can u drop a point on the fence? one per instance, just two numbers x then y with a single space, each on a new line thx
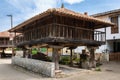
114 56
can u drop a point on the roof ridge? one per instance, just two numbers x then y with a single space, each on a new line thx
106 12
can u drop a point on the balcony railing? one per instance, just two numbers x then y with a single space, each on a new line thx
62 32
5 43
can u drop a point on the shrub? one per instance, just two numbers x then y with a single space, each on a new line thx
65 60
49 59
17 49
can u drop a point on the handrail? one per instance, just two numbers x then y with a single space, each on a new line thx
4 42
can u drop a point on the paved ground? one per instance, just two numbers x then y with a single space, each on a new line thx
9 72
110 71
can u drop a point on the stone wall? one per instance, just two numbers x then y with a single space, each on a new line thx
103 57
41 67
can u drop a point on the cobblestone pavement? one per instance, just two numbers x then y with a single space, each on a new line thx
110 71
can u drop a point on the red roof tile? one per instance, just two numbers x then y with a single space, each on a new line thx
4 34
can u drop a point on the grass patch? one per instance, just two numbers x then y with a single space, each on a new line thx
97 69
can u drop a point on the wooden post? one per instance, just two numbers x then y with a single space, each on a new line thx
13 53
55 58
105 34
56 55
71 55
3 53
24 52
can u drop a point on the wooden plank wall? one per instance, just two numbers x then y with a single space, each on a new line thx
59 27
114 56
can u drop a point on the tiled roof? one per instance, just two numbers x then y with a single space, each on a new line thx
116 11
64 12
4 34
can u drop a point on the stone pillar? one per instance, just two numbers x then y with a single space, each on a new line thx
71 55
84 60
24 53
55 58
92 58
29 54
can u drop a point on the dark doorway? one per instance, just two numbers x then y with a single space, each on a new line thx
116 46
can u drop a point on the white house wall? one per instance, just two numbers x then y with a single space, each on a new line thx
110 36
105 18
79 49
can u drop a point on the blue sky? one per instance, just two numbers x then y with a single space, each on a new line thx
25 9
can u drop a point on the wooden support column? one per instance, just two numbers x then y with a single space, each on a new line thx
3 53
55 58
105 34
56 55
24 52
13 53
71 56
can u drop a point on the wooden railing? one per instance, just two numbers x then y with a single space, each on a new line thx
62 32
5 43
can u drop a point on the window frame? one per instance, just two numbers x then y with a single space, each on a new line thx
115 20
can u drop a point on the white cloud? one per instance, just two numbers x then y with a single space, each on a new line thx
73 1
29 8
32 7
25 9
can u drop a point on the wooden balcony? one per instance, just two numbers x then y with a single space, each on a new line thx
51 33
5 44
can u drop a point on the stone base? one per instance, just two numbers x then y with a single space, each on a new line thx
41 67
85 65
92 64
58 71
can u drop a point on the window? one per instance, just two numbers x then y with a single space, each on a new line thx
114 29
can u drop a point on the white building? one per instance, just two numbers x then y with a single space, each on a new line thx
112 33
